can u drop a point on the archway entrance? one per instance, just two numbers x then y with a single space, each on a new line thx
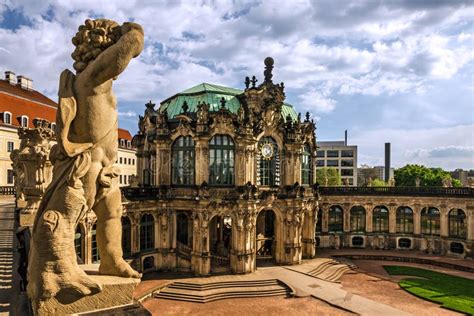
220 239
265 238
184 234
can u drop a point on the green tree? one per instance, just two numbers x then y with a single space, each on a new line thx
378 183
408 175
328 177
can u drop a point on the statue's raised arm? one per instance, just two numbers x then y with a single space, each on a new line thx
104 48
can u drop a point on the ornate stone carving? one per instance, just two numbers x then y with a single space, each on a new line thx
31 163
84 177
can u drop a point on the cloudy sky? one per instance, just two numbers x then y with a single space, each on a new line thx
387 71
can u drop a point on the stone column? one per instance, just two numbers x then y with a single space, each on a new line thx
470 226
290 251
309 232
444 230
417 219
202 160
392 219
368 218
347 218
243 252
163 163
200 256
325 219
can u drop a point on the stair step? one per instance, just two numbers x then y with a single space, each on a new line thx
220 296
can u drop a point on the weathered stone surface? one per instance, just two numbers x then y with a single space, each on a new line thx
84 178
116 291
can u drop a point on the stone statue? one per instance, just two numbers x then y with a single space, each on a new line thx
84 177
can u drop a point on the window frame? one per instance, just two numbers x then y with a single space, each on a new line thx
306 166
183 148
220 147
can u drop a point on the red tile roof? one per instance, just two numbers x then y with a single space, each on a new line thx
33 104
124 134
20 102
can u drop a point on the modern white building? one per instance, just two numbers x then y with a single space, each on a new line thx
339 155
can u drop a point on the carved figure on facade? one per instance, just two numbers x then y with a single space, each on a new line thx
84 177
31 163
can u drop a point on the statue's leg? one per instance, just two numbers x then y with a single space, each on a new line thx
109 233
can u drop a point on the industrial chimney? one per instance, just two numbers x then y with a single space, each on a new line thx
387 162
345 137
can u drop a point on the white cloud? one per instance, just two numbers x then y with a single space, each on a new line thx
317 102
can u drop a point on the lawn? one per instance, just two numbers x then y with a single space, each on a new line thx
452 292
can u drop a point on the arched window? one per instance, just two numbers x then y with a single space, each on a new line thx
380 219
24 121
7 117
306 166
94 248
183 161
147 232
457 224
357 219
404 220
126 237
221 160
78 245
336 219
430 221
268 162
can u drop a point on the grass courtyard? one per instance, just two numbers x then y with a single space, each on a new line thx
452 292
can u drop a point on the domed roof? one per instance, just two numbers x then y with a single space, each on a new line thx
211 94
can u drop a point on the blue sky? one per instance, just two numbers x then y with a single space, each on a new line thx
393 71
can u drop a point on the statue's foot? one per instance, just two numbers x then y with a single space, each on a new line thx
80 285
119 268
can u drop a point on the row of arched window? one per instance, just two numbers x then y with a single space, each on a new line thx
222 162
147 238
430 221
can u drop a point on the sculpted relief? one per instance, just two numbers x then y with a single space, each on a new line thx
84 178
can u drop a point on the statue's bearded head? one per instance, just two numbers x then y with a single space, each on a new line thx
91 39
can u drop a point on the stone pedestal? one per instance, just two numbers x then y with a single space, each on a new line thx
27 219
116 291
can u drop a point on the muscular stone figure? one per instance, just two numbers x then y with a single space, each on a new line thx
84 177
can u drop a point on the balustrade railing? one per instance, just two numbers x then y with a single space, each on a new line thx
402 191
219 261
184 249
7 190
195 192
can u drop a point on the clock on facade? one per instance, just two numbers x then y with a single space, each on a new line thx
266 149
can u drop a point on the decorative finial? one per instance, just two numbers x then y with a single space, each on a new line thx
307 117
247 82
268 69
254 81
299 117
150 105
185 107
282 85
223 101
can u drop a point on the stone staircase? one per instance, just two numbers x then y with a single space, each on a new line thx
208 292
330 269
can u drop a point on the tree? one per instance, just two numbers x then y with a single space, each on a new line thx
328 177
411 174
366 175
378 183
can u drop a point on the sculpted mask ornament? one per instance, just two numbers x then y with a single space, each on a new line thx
84 176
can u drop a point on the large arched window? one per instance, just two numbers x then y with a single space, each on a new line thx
430 221
78 244
147 232
268 162
457 224
306 166
221 160
404 220
357 219
336 219
126 237
94 248
183 161
380 219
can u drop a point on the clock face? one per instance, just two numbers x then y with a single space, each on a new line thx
267 151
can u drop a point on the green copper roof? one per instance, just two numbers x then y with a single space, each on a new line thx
212 94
